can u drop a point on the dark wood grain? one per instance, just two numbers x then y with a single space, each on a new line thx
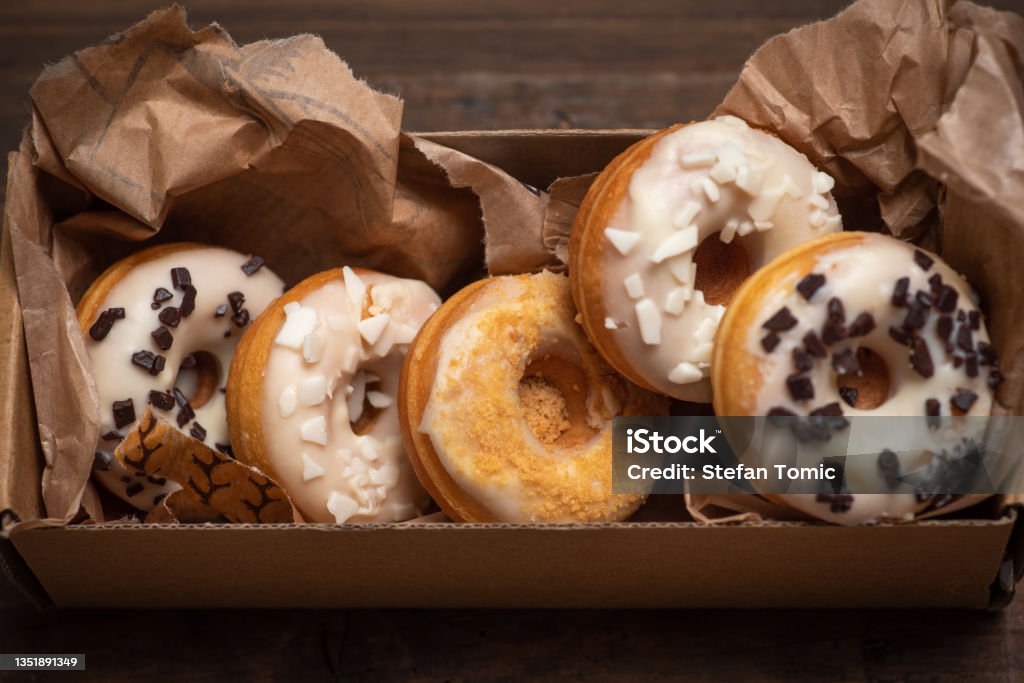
492 65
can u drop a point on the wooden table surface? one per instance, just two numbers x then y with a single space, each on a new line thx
475 65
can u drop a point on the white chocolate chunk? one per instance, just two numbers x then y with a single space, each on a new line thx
314 430
729 231
650 322
684 270
710 189
313 390
351 359
817 218
763 206
746 227
344 455
312 347
677 243
405 334
749 180
675 300
705 330
697 159
789 187
684 373
386 476
355 397
611 324
354 287
834 223
372 328
369 449
341 506
622 240
722 173
823 182
731 155
299 321
634 286
386 341
818 202
761 226
378 399
702 354
685 215
287 401
310 469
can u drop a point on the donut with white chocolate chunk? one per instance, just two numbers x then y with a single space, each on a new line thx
311 395
852 325
507 408
161 327
671 228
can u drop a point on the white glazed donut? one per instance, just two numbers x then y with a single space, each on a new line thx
311 397
650 282
851 325
161 327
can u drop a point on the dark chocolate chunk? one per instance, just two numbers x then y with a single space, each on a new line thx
252 265
849 395
179 397
159 481
988 354
963 399
113 436
922 259
133 490
900 335
995 379
917 315
779 416
161 295
198 431
802 360
800 387
769 342
227 334
839 502
924 298
974 317
946 298
221 311
944 327
861 325
958 362
932 410
780 322
836 311
828 410
170 316
188 361
899 292
124 412
102 461
241 319
188 301
889 466
163 337
964 338
814 345
236 299
921 358
180 278
159 362
101 328
144 359
161 400
225 448
845 363
810 284
935 283
185 414
971 364
832 332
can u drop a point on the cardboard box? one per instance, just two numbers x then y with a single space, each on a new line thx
962 562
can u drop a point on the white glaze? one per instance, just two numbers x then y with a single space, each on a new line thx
862 276
332 474
707 177
215 272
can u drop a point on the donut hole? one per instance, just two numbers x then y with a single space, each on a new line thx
721 268
361 395
872 385
553 400
199 377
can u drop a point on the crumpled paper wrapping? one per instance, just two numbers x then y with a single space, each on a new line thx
917 108
164 134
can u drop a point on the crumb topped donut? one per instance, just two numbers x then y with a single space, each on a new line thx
311 398
506 407
671 228
860 324
161 327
